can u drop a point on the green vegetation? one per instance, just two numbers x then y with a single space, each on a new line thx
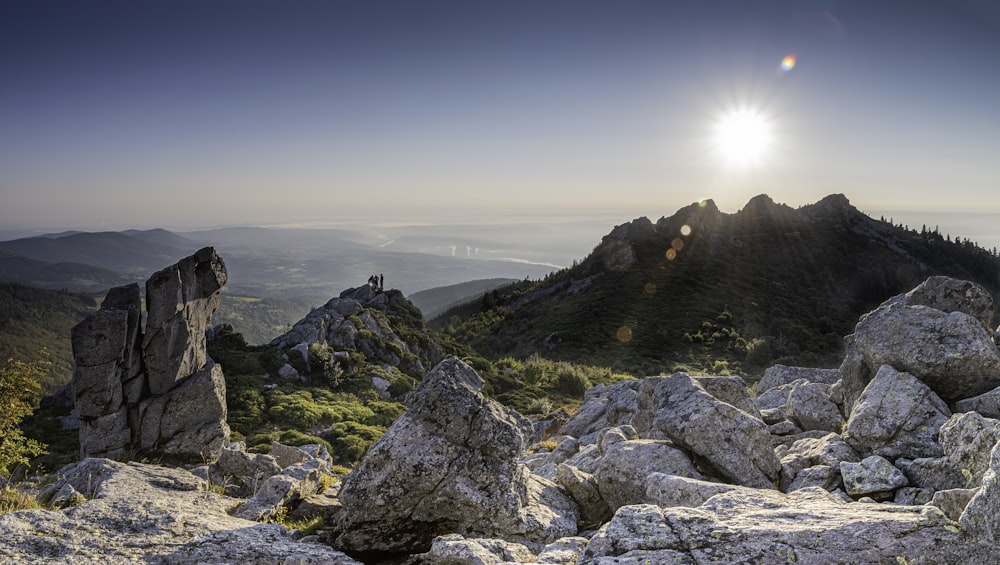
537 386
337 406
19 392
33 319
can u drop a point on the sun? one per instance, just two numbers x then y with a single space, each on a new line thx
742 136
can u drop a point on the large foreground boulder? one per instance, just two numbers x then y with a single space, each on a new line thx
449 465
138 513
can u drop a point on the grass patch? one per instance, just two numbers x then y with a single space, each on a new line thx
12 500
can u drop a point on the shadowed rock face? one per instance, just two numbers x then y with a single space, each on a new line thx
449 465
935 332
180 301
158 389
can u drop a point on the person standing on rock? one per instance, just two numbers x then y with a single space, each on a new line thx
381 282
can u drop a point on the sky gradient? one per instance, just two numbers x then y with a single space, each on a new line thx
124 114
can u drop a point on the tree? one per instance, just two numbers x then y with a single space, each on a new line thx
19 391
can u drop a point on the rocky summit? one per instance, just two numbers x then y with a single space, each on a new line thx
885 460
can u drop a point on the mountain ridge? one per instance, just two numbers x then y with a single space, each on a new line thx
706 290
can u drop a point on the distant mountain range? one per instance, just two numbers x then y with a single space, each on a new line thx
709 291
265 262
275 275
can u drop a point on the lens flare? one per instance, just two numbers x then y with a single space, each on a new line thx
677 243
685 230
671 254
624 334
788 63
649 289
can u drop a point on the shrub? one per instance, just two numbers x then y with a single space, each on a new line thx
572 382
19 391
350 440
295 409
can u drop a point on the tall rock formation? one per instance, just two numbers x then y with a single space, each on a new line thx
156 389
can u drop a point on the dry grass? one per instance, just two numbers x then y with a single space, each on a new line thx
12 500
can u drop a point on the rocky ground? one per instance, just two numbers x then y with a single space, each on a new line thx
893 458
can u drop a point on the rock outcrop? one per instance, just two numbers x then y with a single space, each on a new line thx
368 321
449 465
158 389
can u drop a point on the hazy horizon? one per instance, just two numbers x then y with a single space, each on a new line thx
189 115
567 236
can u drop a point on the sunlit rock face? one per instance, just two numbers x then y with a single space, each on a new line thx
449 465
765 526
142 513
736 444
155 389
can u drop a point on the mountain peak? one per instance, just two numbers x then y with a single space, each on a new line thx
832 206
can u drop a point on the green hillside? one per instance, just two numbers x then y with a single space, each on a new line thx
709 291
434 301
33 319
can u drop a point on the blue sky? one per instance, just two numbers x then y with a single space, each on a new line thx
123 114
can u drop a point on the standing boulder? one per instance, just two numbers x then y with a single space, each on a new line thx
809 460
777 375
604 406
896 416
952 295
987 403
736 444
153 390
449 465
982 516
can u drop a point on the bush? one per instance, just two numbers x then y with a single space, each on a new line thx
19 392
350 440
572 383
